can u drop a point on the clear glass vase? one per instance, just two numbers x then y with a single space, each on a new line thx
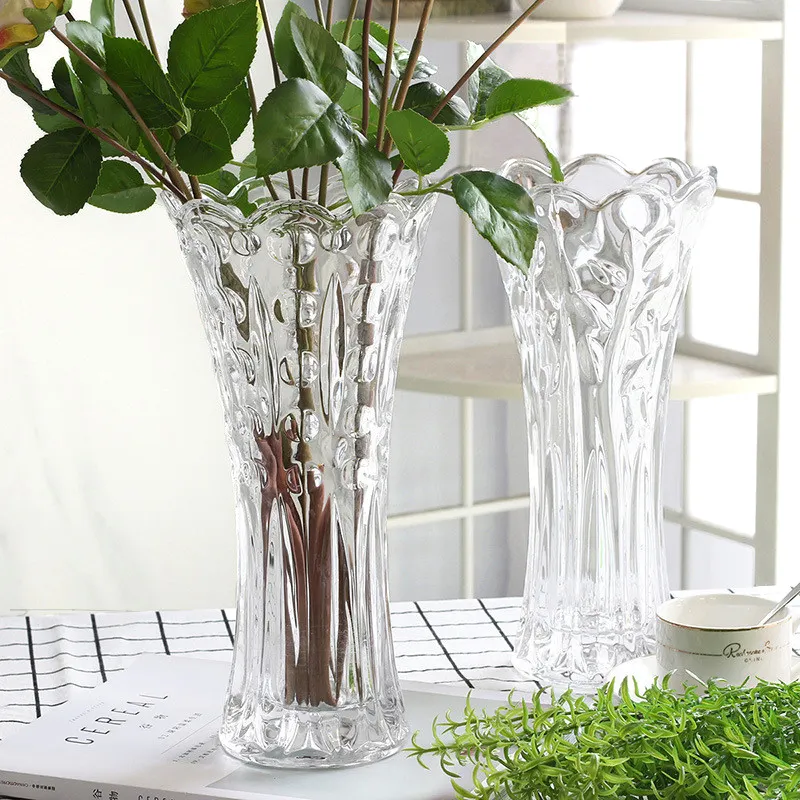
596 321
304 311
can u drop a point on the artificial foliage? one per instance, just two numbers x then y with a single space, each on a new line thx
350 103
731 743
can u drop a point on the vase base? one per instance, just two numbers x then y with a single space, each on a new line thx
579 663
292 738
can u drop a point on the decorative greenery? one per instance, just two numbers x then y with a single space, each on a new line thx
731 742
119 123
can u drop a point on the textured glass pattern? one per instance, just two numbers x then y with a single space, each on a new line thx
304 313
596 322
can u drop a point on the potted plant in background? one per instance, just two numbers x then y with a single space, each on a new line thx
303 256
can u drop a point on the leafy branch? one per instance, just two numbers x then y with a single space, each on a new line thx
733 742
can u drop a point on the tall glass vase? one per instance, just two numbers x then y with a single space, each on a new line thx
304 311
596 321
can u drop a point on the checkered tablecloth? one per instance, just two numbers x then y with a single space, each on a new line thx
47 660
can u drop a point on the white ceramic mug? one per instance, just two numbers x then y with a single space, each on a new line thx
717 636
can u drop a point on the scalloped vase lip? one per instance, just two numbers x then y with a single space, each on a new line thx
690 179
224 205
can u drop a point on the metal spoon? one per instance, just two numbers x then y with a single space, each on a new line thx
793 592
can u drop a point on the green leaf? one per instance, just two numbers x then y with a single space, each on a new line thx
424 97
520 94
210 53
313 130
501 211
423 68
135 69
86 108
322 59
19 67
366 173
234 111
121 189
422 145
102 16
483 82
351 104
89 39
207 146
63 84
114 118
52 121
355 72
165 140
62 169
286 53
42 19
222 180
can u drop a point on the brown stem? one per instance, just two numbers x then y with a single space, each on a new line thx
324 171
172 171
488 52
348 26
413 56
329 16
320 13
135 157
254 113
387 81
137 31
149 30
304 185
197 192
365 67
69 17
276 73
290 181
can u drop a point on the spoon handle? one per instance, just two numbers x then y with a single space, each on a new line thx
792 593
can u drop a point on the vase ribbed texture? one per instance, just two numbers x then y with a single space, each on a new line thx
596 321
304 311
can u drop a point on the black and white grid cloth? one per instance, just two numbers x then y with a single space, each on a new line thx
47 660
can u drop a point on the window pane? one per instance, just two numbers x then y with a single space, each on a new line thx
716 563
672 536
424 562
630 100
724 289
721 459
726 111
501 547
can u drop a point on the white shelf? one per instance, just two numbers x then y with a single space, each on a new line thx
486 364
637 26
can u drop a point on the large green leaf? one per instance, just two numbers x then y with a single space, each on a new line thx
62 169
286 54
424 97
19 67
135 69
102 16
114 118
312 129
520 94
422 145
501 211
207 146
322 59
234 111
210 53
121 189
366 173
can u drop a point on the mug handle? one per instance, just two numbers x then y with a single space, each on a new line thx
795 614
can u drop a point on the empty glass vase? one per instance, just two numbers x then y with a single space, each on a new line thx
304 312
596 321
